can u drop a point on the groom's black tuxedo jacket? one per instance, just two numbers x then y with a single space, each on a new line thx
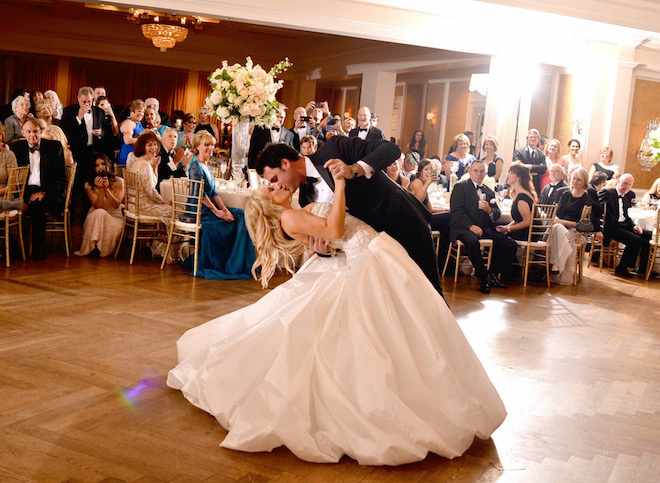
378 201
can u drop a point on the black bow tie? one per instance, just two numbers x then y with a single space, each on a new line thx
34 148
275 129
363 129
553 185
480 186
312 180
307 192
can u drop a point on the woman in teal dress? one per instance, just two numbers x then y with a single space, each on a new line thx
226 250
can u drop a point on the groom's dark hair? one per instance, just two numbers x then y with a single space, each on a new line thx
273 154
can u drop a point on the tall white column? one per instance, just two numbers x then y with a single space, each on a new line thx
378 95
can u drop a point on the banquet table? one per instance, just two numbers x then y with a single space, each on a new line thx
644 218
231 198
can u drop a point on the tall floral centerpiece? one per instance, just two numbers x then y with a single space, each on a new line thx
649 152
241 95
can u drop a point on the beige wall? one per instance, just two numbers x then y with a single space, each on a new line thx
645 107
564 115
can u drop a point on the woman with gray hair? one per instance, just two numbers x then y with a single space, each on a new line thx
14 123
55 103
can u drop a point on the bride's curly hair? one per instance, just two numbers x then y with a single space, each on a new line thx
274 248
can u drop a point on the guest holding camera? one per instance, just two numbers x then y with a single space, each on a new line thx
103 224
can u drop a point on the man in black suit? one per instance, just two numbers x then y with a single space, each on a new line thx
365 130
165 118
473 210
553 190
597 183
83 125
173 163
532 157
618 226
370 195
276 134
46 182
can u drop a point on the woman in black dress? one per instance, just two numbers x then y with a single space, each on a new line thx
519 180
418 144
492 160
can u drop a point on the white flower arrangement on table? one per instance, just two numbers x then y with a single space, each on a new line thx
654 146
245 93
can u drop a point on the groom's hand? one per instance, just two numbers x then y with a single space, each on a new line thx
339 168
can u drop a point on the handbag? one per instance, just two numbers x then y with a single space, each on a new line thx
584 226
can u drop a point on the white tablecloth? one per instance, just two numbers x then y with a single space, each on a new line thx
644 218
233 199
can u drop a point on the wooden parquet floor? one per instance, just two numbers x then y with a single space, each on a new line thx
86 344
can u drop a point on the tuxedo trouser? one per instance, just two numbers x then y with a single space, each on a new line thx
504 251
635 244
441 222
37 211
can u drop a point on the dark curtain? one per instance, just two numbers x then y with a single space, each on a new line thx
31 71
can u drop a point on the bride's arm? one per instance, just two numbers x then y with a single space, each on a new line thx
301 222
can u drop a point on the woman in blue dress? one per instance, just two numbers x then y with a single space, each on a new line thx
226 250
131 129
461 154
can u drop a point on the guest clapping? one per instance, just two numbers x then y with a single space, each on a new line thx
151 202
103 224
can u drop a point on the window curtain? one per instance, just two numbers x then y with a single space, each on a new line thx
124 82
32 71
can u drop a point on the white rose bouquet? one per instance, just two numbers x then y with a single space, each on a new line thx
245 93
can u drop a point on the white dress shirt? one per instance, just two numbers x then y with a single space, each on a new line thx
35 169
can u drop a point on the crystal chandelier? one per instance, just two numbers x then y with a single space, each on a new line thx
647 154
164 30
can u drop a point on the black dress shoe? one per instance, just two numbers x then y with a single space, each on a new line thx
494 281
485 285
622 272
642 273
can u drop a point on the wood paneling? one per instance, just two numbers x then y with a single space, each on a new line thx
413 110
541 104
435 98
456 112
565 107
645 107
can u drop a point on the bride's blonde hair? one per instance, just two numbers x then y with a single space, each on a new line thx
274 248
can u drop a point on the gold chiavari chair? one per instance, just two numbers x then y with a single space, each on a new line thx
537 246
13 218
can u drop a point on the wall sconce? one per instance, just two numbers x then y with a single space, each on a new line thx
579 125
430 117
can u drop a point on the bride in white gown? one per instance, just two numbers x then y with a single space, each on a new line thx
342 358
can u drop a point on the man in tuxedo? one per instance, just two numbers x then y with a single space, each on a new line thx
532 157
44 192
276 134
83 125
173 162
553 190
99 91
301 125
597 183
365 130
370 195
473 210
618 226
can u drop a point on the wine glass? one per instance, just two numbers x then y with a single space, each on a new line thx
223 167
237 174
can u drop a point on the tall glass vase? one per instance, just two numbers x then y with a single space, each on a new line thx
240 133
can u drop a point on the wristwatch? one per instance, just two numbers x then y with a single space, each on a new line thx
355 169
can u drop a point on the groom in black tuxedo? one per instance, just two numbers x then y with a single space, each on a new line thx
473 210
370 195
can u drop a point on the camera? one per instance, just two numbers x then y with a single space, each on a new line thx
319 105
102 174
304 118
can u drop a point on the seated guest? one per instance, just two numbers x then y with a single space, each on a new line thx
596 184
461 156
103 224
145 165
553 190
552 152
473 210
46 182
186 136
308 145
653 194
109 143
394 172
565 238
410 164
55 133
618 226
45 113
523 194
152 121
130 130
14 123
55 105
173 162
492 160
7 161
605 164
226 250
6 110
205 124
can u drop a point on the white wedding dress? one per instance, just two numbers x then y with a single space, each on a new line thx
356 354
